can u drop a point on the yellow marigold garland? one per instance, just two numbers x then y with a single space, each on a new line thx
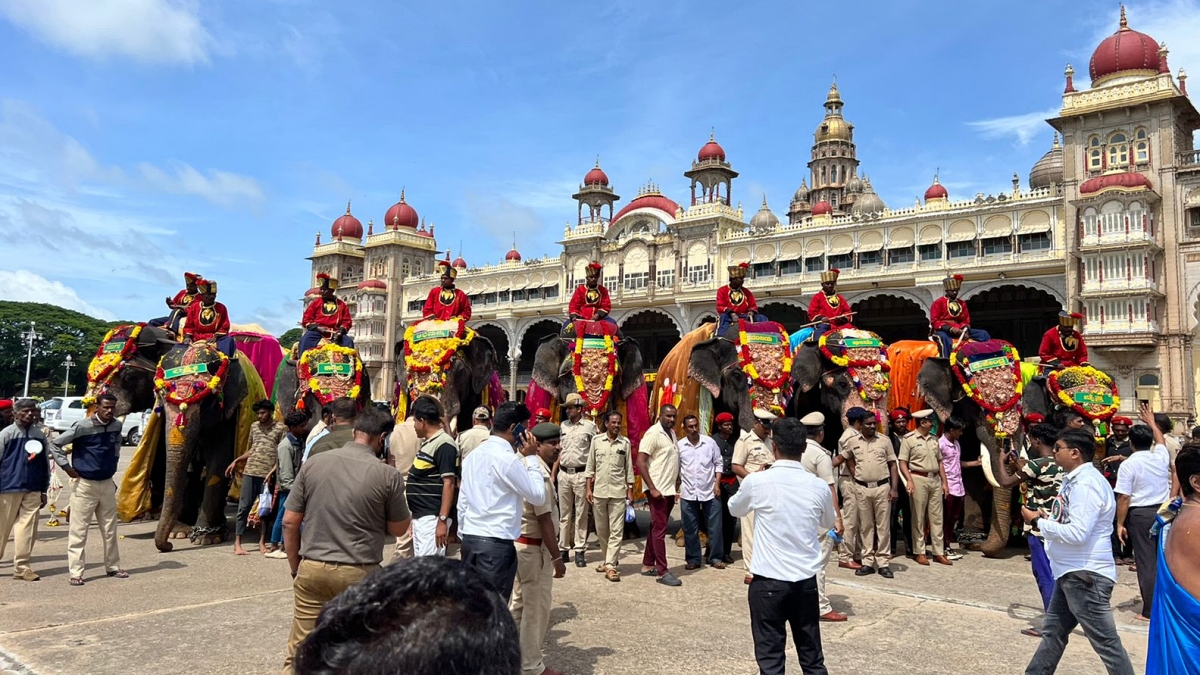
105 364
577 370
304 370
1100 376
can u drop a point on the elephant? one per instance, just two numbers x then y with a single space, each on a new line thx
552 368
944 394
470 374
287 395
823 385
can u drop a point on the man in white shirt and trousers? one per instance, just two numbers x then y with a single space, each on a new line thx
792 509
496 482
819 463
1078 533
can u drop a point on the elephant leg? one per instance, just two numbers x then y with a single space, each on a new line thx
1001 522
211 524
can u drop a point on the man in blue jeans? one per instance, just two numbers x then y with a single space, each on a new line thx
1076 530
700 468
289 452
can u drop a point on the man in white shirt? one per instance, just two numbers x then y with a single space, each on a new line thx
817 461
1143 484
700 467
495 485
1077 532
791 507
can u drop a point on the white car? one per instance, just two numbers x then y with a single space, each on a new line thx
60 412
132 427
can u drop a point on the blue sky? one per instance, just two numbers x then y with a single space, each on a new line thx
139 138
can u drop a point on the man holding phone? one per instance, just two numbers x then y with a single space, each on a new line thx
496 483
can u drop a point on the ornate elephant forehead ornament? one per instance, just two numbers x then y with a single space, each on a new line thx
990 374
593 365
1086 390
765 356
190 383
330 372
428 348
115 350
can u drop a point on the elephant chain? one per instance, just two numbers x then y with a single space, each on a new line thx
200 532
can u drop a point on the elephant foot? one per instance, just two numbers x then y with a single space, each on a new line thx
992 548
180 531
208 536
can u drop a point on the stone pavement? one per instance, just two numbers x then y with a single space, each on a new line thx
206 611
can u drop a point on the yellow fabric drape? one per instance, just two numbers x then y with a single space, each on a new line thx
674 368
133 498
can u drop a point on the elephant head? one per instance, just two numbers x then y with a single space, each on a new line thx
128 373
714 363
287 393
1037 399
470 372
200 438
944 394
837 393
553 367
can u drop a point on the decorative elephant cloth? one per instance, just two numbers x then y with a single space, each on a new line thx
428 347
865 358
906 358
1086 390
765 356
594 365
990 374
263 351
329 372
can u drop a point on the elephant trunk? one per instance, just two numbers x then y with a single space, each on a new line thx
992 452
179 441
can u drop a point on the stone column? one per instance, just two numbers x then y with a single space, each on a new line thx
514 355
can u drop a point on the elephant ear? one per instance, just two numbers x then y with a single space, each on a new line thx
706 364
632 371
1036 399
236 389
806 367
547 362
937 384
483 362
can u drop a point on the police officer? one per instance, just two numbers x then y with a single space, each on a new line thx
921 464
609 484
902 507
850 550
577 434
874 464
753 452
817 461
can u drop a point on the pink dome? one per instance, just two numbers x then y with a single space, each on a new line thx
347 226
513 256
936 191
822 208
1124 50
401 215
1121 181
314 292
596 176
459 263
372 283
711 150
652 200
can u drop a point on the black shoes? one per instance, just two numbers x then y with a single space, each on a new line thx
863 571
579 561
566 556
885 572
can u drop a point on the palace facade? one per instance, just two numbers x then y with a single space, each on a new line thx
1107 223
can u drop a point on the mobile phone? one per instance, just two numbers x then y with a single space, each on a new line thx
518 433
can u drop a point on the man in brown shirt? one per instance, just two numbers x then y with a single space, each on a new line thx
873 462
348 501
609 485
538 564
577 434
921 464
341 430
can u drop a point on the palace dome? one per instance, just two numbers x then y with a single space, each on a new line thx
347 226
1128 181
801 193
1048 170
513 255
764 220
459 263
1123 51
868 202
314 292
649 200
401 215
372 284
596 176
822 208
854 185
711 150
936 191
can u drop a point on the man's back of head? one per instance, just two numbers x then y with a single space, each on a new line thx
420 616
344 410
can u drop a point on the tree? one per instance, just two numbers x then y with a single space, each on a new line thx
291 337
64 332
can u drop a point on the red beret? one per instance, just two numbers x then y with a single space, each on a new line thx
899 413
5 404
1122 420
544 412
723 418
1034 418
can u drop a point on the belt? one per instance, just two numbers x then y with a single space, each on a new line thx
529 541
923 474
731 480
571 469
874 484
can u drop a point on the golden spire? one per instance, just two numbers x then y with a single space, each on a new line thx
1124 21
1056 145
764 200
401 195
347 207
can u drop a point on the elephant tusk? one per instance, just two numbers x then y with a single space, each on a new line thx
985 456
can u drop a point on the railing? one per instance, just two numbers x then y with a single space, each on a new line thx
1111 238
1107 285
1116 326
1188 160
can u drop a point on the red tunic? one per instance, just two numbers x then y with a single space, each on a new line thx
443 304
332 314
1069 351
183 298
206 322
835 311
944 314
738 301
586 302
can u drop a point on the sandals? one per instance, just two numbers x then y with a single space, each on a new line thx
119 574
612 575
76 581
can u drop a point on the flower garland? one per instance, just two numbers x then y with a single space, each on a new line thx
447 347
879 364
306 375
610 352
995 411
746 361
200 388
1098 411
106 364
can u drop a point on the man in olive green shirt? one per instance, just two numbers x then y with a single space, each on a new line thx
609 484
921 464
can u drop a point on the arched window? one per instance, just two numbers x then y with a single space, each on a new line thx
1095 154
419 267
1118 150
1141 147
1148 380
407 266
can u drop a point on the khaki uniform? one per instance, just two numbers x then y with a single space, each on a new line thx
610 468
925 464
872 478
572 486
531 598
403 445
817 461
849 550
752 453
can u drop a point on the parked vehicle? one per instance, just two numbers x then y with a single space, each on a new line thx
61 412
132 427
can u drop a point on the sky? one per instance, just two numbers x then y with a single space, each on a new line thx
143 138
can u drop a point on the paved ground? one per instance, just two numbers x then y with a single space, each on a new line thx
205 610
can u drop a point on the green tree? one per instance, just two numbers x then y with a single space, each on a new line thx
291 337
64 332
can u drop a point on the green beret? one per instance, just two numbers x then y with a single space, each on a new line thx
546 431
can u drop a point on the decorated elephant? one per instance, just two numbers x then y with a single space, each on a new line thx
605 369
981 384
191 439
321 375
750 366
451 362
1085 390
842 369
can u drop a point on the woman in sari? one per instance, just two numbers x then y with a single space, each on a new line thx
1175 616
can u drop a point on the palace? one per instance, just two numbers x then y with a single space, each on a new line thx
1108 224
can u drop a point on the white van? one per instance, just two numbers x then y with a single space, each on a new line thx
60 412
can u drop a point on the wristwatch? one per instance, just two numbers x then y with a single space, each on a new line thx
442 519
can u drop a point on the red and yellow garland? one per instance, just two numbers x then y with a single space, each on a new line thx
106 364
1060 390
304 371
747 363
610 352
995 412
200 388
449 347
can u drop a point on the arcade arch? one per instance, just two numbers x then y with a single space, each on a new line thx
1016 313
893 317
655 332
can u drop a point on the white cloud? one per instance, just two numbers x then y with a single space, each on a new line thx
150 31
1024 128
219 187
26 286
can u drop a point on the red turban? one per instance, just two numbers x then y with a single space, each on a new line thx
723 418
544 412
5 404
899 413
1122 420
